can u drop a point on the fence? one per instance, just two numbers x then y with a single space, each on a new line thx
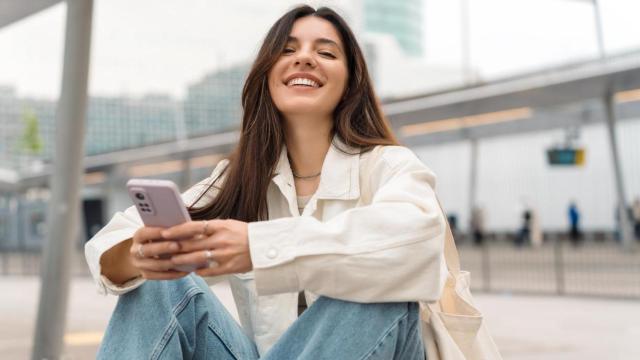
29 263
595 268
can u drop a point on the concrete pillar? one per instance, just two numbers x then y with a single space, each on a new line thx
66 181
626 232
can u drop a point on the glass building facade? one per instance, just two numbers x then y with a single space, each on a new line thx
115 123
401 18
214 103
122 123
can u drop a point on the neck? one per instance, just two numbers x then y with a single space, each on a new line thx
308 141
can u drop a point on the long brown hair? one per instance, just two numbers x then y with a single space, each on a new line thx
358 122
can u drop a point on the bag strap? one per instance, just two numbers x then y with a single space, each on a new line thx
450 250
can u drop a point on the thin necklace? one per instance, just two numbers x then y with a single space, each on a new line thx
305 177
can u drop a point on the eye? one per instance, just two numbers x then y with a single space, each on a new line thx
288 50
328 54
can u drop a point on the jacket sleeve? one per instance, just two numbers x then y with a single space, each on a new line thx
390 249
122 226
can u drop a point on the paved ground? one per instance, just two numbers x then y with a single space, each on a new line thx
525 327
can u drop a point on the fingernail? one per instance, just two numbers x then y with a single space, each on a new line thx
175 246
165 234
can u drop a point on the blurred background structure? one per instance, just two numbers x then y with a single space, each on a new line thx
528 112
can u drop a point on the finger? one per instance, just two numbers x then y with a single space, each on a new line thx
203 257
190 229
155 248
195 244
187 230
161 265
147 234
163 275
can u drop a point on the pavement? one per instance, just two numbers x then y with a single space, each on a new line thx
524 327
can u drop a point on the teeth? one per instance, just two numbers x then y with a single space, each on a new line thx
303 81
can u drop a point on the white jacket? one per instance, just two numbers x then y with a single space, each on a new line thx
372 232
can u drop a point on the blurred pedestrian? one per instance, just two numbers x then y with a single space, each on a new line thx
575 235
636 217
524 234
536 229
477 225
630 215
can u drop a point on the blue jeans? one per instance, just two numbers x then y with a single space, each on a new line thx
183 319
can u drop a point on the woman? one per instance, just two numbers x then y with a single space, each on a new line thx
306 203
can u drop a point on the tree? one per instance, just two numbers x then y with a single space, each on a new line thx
31 142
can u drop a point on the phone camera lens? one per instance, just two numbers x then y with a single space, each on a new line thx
140 196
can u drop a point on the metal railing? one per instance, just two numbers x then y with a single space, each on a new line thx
601 268
29 263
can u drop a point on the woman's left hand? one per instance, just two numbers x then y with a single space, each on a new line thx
217 247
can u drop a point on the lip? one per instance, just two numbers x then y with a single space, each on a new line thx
304 76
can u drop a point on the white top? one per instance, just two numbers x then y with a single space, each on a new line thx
302 202
372 232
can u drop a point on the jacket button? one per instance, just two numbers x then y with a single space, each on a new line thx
272 253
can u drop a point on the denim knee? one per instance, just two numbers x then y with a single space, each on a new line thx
373 331
142 315
334 307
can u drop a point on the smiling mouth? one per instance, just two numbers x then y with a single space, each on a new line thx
303 83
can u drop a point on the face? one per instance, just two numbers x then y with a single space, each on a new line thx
311 73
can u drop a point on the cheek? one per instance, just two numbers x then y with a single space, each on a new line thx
272 87
342 74
275 90
274 76
344 80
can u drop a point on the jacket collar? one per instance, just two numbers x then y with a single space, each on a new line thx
339 178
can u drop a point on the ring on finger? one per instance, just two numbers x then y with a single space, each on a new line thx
204 233
140 252
208 254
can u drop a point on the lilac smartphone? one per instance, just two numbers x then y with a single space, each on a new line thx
158 202
159 205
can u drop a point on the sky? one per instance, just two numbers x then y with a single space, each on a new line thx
162 46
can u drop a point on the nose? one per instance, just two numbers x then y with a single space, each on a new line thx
303 58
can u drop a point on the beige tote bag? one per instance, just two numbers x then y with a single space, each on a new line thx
453 328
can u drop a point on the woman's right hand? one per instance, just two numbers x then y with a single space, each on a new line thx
145 252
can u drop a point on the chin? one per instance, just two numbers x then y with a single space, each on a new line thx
297 110
300 105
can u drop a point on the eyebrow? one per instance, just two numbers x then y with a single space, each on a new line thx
317 41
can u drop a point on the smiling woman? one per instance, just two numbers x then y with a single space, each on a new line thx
315 203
